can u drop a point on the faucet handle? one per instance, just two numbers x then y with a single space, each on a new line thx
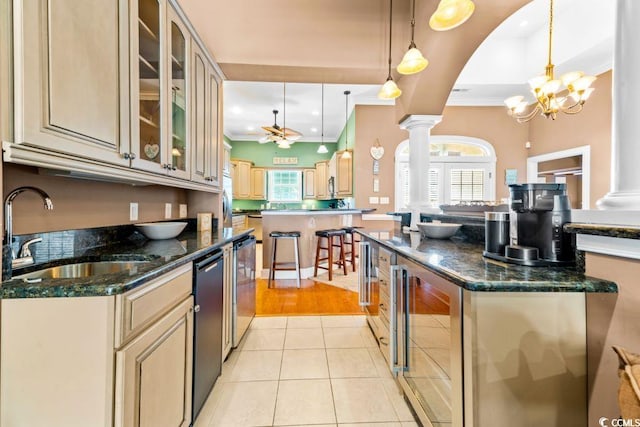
24 249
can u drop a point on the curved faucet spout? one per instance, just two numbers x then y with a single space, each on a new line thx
8 215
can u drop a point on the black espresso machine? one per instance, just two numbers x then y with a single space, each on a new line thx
536 238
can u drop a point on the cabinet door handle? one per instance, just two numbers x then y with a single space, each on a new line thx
398 358
363 274
173 168
196 308
382 341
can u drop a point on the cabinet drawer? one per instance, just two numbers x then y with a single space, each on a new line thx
138 308
384 262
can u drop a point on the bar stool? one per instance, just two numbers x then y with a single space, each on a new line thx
331 236
350 245
288 266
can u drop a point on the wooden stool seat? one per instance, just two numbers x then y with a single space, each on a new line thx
334 239
288 266
350 245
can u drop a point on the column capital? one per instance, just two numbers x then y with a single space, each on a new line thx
418 121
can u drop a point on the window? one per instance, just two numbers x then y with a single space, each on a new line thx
460 169
285 185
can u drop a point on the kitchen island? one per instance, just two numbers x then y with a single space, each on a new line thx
307 222
478 342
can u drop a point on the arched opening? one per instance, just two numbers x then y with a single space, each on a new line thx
461 169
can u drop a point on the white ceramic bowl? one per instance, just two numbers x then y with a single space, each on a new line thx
437 230
161 230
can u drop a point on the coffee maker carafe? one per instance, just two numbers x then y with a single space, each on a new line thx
538 213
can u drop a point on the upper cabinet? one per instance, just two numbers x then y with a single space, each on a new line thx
322 180
143 106
70 73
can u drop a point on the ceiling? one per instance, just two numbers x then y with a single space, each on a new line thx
345 44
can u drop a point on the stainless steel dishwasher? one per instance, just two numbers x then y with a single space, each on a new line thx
207 335
244 286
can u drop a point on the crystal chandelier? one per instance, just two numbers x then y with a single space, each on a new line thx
546 88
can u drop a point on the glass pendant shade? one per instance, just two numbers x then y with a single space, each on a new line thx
346 154
322 149
451 14
412 62
389 90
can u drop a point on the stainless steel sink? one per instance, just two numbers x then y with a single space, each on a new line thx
83 269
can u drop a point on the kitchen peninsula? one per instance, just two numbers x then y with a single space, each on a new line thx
307 222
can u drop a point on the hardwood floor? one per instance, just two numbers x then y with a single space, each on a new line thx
312 299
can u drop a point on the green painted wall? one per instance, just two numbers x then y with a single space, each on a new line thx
351 126
263 154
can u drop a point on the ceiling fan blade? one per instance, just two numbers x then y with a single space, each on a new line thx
264 139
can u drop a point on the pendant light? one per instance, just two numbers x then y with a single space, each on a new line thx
413 61
284 143
389 89
346 154
323 148
451 14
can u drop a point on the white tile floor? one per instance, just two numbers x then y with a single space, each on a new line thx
303 371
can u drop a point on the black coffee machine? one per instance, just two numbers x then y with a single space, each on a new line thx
538 213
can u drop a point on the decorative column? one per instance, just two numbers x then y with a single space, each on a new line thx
419 128
625 138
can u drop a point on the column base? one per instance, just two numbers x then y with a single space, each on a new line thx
620 200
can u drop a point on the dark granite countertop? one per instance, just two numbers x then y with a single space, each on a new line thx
162 256
620 231
463 264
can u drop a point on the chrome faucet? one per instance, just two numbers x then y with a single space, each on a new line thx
25 253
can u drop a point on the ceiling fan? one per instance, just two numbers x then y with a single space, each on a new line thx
276 133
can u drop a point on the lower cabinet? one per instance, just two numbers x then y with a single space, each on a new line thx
153 373
123 360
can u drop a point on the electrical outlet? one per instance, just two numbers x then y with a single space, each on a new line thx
167 210
133 211
183 211
374 200
384 200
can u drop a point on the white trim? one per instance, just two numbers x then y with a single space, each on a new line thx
418 121
614 246
379 217
584 151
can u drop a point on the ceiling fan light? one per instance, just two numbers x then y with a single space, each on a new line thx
389 90
322 149
451 14
284 144
412 62
513 101
571 77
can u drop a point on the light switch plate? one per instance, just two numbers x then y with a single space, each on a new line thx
183 210
376 185
374 200
133 211
167 210
384 200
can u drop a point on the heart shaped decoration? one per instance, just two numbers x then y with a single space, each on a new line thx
151 150
377 152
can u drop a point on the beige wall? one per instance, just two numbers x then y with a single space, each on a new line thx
591 127
375 122
612 319
84 204
494 125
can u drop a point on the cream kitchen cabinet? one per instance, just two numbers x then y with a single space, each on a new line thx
342 166
66 101
258 184
309 184
241 179
121 360
122 113
205 120
322 180
226 162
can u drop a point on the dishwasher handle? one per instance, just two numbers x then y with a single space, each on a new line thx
250 240
209 261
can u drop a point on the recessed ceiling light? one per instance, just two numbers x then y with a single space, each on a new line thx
314 129
315 113
236 110
250 128
524 23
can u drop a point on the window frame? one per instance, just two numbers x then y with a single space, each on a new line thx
271 185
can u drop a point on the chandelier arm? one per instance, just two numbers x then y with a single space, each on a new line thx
530 115
574 109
